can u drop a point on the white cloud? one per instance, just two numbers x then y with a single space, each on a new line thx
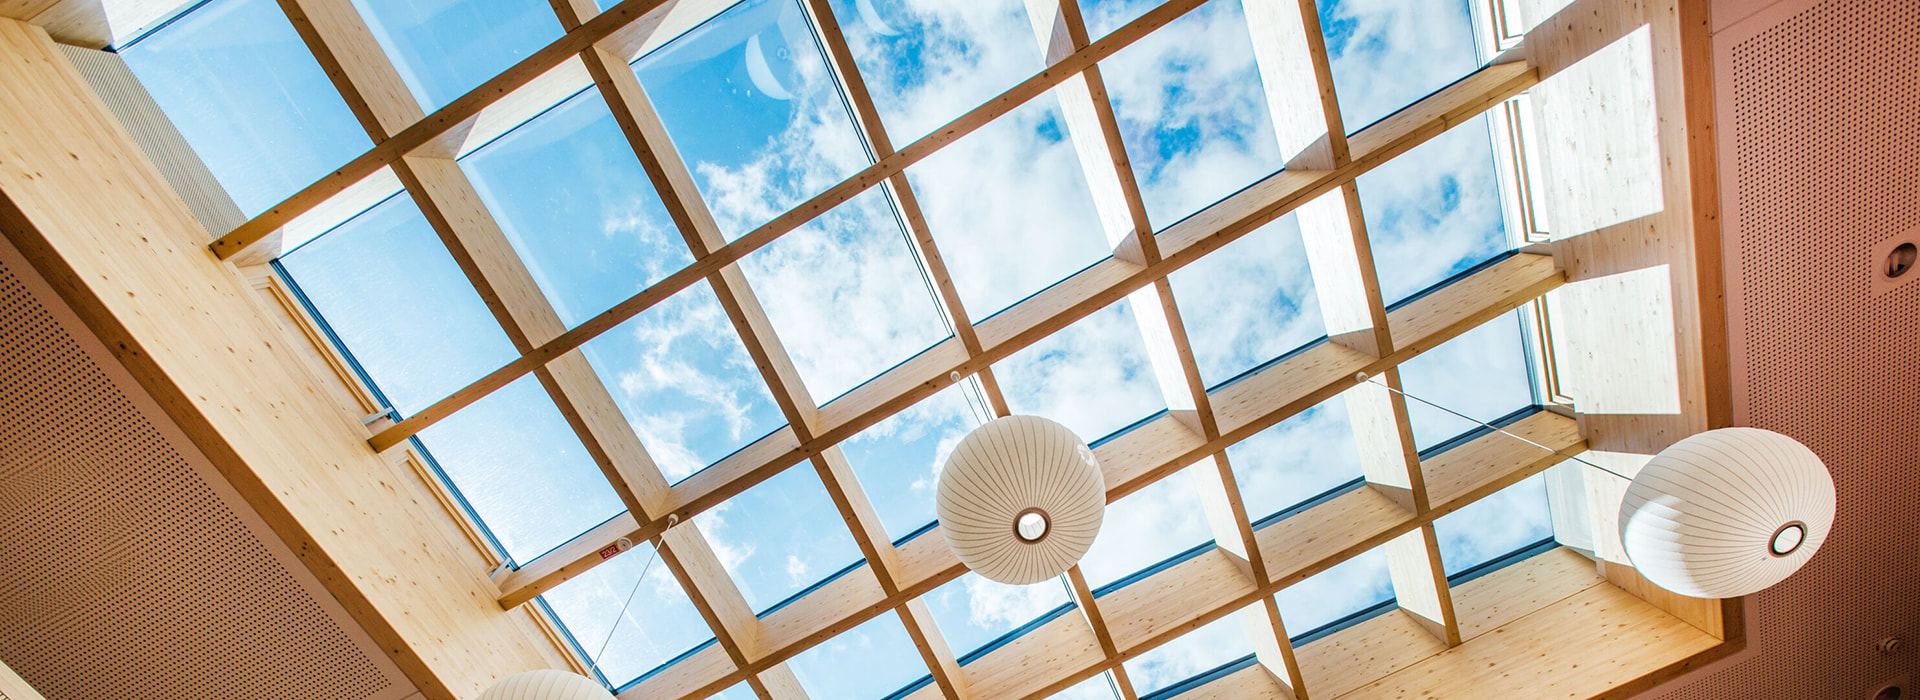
1203 649
1387 53
1342 590
797 570
992 605
1297 459
1093 376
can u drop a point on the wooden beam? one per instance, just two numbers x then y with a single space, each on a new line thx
1244 407
1176 600
643 17
1043 313
193 333
1159 448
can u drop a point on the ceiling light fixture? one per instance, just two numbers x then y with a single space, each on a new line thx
1020 499
1720 514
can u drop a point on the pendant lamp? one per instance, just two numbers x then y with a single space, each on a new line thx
546 684
1020 499
1727 512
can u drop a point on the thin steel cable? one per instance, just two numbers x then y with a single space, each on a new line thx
594 661
1362 377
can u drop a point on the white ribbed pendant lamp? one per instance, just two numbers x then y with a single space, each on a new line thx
1020 499
546 684
1721 514
1727 512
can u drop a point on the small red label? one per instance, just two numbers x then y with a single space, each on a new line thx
610 551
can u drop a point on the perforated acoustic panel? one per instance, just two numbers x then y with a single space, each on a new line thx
128 569
1818 108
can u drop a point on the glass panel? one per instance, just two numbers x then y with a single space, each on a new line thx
1217 643
738 692
1494 526
393 294
898 460
846 295
753 112
1145 528
578 208
1434 211
1249 302
1093 376
1388 53
660 625
685 382
1347 588
926 62
779 537
1099 687
1301 457
1104 16
1010 209
1483 373
1192 112
443 48
520 465
973 611
869 661
238 82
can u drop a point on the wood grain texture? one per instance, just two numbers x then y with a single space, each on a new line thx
190 329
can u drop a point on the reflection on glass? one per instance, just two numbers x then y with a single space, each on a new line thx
972 611
443 48
570 195
520 465
1249 302
1093 376
864 663
1099 687
1326 597
237 81
779 537
927 61
1302 457
1215 644
898 460
660 625
1147 527
1492 527
393 294
1191 112
685 382
846 296
1483 374
754 113
1010 209
1434 212
1388 53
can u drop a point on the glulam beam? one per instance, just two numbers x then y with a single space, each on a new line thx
1025 322
1157 449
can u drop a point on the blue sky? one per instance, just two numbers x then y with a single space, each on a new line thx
750 105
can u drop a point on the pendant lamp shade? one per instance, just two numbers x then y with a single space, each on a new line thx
546 684
1727 512
1020 499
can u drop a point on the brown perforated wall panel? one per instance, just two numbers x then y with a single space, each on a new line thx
1818 106
127 568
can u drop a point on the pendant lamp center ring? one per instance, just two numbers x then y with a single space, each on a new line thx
1032 525
1787 539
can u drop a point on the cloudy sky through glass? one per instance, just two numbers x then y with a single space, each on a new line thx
753 108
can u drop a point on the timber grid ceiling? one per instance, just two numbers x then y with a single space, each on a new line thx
1246 567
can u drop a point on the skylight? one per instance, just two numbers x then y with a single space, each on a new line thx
756 110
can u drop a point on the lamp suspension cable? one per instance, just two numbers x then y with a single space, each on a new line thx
1362 377
594 660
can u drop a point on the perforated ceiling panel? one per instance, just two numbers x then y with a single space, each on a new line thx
1819 116
129 570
